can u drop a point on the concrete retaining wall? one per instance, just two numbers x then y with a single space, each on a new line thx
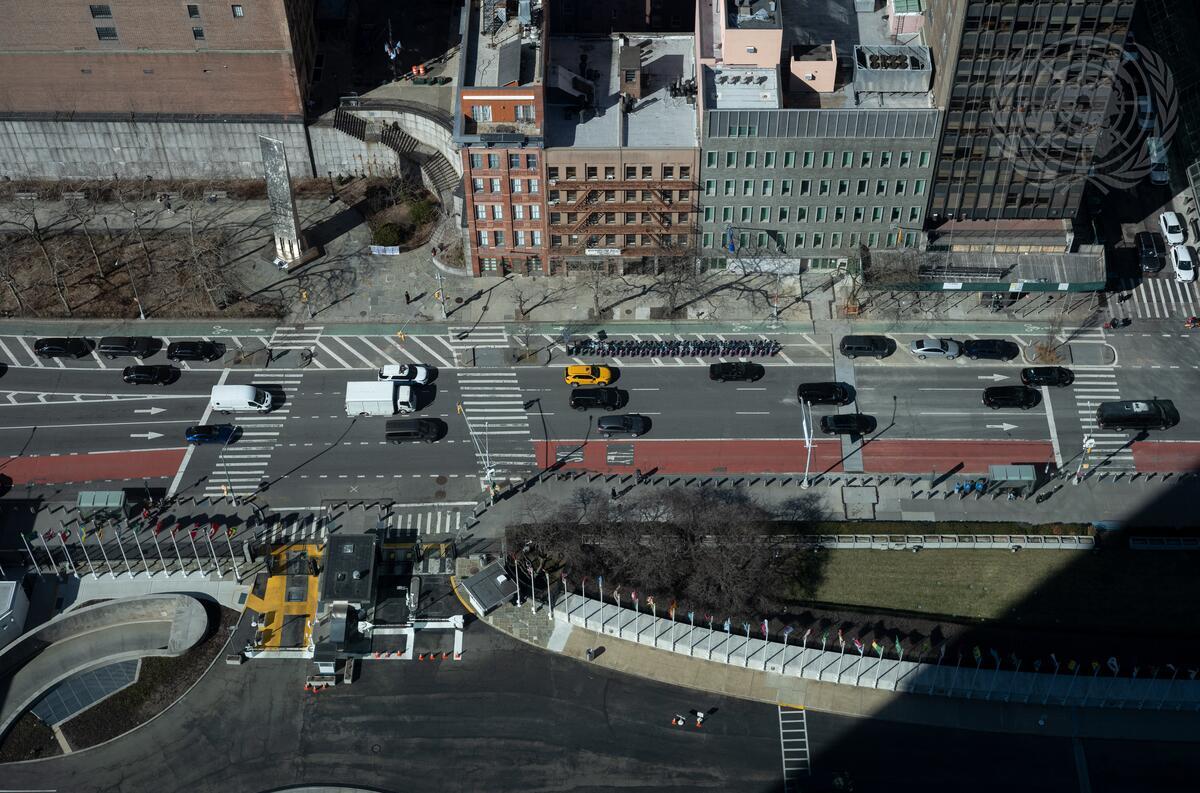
47 149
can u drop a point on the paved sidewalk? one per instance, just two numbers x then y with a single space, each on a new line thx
717 678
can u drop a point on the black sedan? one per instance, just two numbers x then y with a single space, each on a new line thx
992 349
194 351
848 424
62 348
1047 375
824 394
210 433
150 375
749 372
1011 396
632 424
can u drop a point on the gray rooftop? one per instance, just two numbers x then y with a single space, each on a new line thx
490 587
751 14
1006 268
657 120
740 87
499 51
349 569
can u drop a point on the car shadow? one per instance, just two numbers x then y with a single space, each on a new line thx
423 396
155 346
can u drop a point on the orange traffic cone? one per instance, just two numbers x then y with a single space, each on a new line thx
445 656
458 656
421 657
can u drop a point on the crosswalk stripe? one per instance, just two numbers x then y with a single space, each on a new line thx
382 354
334 355
429 350
370 364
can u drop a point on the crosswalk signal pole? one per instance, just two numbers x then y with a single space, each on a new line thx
441 292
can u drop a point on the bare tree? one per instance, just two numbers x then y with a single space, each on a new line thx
119 190
83 212
8 269
27 218
532 295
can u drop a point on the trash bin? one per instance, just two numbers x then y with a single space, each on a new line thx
590 655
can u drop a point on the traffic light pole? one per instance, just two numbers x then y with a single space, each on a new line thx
441 292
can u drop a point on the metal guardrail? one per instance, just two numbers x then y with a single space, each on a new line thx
399 105
1164 543
912 542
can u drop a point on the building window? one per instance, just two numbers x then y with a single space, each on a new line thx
535 212
481 112
881 187
768 187
610 172
745 214
805 187
919 187
499 238
193 11
552 172
514 161
476 185
747 187
861 187
668 172
106 34
910 239
924 159
808 159
785 187
839 214
818 239
570 173
895 214
710 186
647 172
876 214
764 214
198 34
555 240
854 238
885 159
483 239
901 186
238 13
707 239
481 211
535 185
708 214
530 161
798 242
685 171
497 211
520 238
743 239
630 171
726 214
476 161
872 239
589 172
537 238
630 218
751 159
843 187
101 12
864 160
518 211
905 158
515 186
823 189
762 239
859 214
789 159
710 159
489 265
524 112
847 159
801 214
493 161
835 239
784 214
914 214
820 214
494 185
827 159
769 159
730 159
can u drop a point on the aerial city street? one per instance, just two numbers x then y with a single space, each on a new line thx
739 395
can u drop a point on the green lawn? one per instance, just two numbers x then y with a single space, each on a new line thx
1112 588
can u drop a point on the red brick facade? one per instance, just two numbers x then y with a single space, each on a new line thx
512 222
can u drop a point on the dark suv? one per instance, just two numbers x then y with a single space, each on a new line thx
1011 396
62 348
823 394
126 346
736 370
150 375
588 398
1151 250
194 351
848 424
1047 375
873 346
993 349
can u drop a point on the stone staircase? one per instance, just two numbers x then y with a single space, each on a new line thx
442 173
398 140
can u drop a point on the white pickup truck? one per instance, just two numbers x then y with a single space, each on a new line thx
378 398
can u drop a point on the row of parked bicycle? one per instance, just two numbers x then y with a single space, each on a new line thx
686 348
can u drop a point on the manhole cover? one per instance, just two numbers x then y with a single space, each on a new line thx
458 300
441 480
439 494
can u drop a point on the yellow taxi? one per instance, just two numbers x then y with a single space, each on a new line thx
588 375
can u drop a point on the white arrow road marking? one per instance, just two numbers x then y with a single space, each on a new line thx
992 377
151 411
1004 427
147 435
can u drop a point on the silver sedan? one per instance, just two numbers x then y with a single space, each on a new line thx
935 348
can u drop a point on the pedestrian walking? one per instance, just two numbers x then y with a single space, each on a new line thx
407 298
614 493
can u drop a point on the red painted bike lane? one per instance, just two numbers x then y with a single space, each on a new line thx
92 467
1166 456
769 456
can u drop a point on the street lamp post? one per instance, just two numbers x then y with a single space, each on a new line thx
483 452
1089 443
806 424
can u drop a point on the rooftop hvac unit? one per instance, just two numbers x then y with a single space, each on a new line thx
722 79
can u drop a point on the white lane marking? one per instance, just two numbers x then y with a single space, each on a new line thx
187 456
385 356
29 350
340 340
1058 458
332 354
429 350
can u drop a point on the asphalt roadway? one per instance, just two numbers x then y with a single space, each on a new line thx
512 717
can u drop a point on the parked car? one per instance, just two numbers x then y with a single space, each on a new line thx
1138 414
631 424
112 347
1011 396
824 393
588 375
1183 264
150 375
1172 228
62 348
1152 251
606 398
194 351
992 349
935 348
848 424
209 433
417 374
736 370
1047 375
873 346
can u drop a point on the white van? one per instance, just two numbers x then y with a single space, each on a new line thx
230 398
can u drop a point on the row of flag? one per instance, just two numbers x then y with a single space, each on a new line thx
98 532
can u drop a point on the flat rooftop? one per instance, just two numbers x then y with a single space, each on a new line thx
502 50
657 120
349 568
741 88
753 14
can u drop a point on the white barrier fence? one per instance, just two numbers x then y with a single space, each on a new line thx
904 542
1082 686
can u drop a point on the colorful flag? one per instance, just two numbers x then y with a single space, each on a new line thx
1071 665
1113 665
672 609
1013 657
764 629
1037 664
875 646
841 639
564 579
633 596
691 616
1095 666
650 601
824 637
806 633
787 631
977 653
858 645
728 624
898 649
600 581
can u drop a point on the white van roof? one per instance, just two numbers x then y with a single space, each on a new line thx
234 392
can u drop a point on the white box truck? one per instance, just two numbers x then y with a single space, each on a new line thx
230 398
378 398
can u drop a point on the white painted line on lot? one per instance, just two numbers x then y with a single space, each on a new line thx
749 388
753 412
100 424
429 350
29 350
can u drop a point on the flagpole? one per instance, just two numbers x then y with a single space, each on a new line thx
1037 668
841 655
1108 690
86 555
600 583
583 596
691 630
174 542
995 674
549 598
1050 686
783 666
1075 674
1087 692
954 680
1174 674
728 638
1153 677
975 677
100 539
879 665
766 645
161 559
37 565
858 677
938 666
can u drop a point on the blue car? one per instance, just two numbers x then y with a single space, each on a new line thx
209 433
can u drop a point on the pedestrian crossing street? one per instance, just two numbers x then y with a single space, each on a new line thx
1111 451
793 744
494 409
241 467
1157 298
408 522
